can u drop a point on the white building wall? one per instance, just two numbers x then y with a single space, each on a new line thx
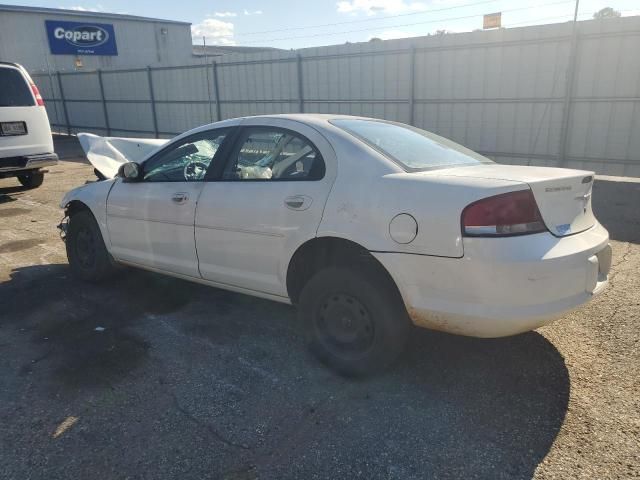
141 43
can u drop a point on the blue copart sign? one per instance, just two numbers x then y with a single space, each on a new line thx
81 38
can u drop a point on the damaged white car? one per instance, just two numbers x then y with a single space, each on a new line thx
368 226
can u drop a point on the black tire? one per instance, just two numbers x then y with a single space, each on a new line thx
87 255
355 321
31 179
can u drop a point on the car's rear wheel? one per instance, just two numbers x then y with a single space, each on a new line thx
86 252
355 322
31 179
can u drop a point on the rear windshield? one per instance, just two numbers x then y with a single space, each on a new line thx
14 90
412 148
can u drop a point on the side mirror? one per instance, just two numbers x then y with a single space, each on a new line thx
129 172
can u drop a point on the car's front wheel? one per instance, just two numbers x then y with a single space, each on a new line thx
31 179
356 322
86 252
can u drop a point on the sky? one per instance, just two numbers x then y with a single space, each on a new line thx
297 24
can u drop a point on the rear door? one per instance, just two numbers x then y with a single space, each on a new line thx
268 201
24 125
151 222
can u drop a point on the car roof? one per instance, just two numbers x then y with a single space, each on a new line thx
308 117
338 137
318 120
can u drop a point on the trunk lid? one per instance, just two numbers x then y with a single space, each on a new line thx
563 195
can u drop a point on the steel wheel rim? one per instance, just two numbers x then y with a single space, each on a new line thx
86 248
344 325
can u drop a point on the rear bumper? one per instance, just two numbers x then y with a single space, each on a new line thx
502 286
27 162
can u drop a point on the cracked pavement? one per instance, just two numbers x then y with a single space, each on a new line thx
193 382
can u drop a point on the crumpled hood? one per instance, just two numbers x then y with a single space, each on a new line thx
106 154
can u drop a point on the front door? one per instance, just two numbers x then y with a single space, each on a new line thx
151 221
268 201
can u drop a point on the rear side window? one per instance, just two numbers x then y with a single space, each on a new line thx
414 149
274 154
14 90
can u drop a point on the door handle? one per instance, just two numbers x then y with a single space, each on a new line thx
180 197
298 202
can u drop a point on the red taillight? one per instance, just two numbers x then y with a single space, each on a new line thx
513 213
36 93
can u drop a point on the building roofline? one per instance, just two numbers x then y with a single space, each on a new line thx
85 14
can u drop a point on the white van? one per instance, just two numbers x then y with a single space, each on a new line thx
26 145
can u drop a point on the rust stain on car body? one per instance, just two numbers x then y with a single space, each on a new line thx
432 321
436 321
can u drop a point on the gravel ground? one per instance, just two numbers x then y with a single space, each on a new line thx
193 382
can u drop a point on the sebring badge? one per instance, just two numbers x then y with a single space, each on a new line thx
558 189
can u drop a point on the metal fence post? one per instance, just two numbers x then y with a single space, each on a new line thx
300 88
568 94
153 102
64 104
216 87
104 104
412 83
206 71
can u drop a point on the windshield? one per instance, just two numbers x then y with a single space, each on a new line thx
413 148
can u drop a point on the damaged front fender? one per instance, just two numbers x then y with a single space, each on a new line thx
93 197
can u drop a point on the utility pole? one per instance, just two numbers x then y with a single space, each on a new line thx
204 48
575 13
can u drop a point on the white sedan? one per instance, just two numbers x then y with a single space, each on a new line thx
368 226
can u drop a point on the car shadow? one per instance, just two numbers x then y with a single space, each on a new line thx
615 204
452 407
9 194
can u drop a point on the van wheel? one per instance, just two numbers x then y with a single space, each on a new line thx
31 179
86 252
355 323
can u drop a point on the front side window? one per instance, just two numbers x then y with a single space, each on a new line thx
414 149
273 154
186 161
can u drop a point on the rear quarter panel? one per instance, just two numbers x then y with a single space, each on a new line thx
364 201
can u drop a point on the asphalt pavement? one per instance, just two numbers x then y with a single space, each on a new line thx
152 377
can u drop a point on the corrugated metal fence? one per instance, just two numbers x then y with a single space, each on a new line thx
545 95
